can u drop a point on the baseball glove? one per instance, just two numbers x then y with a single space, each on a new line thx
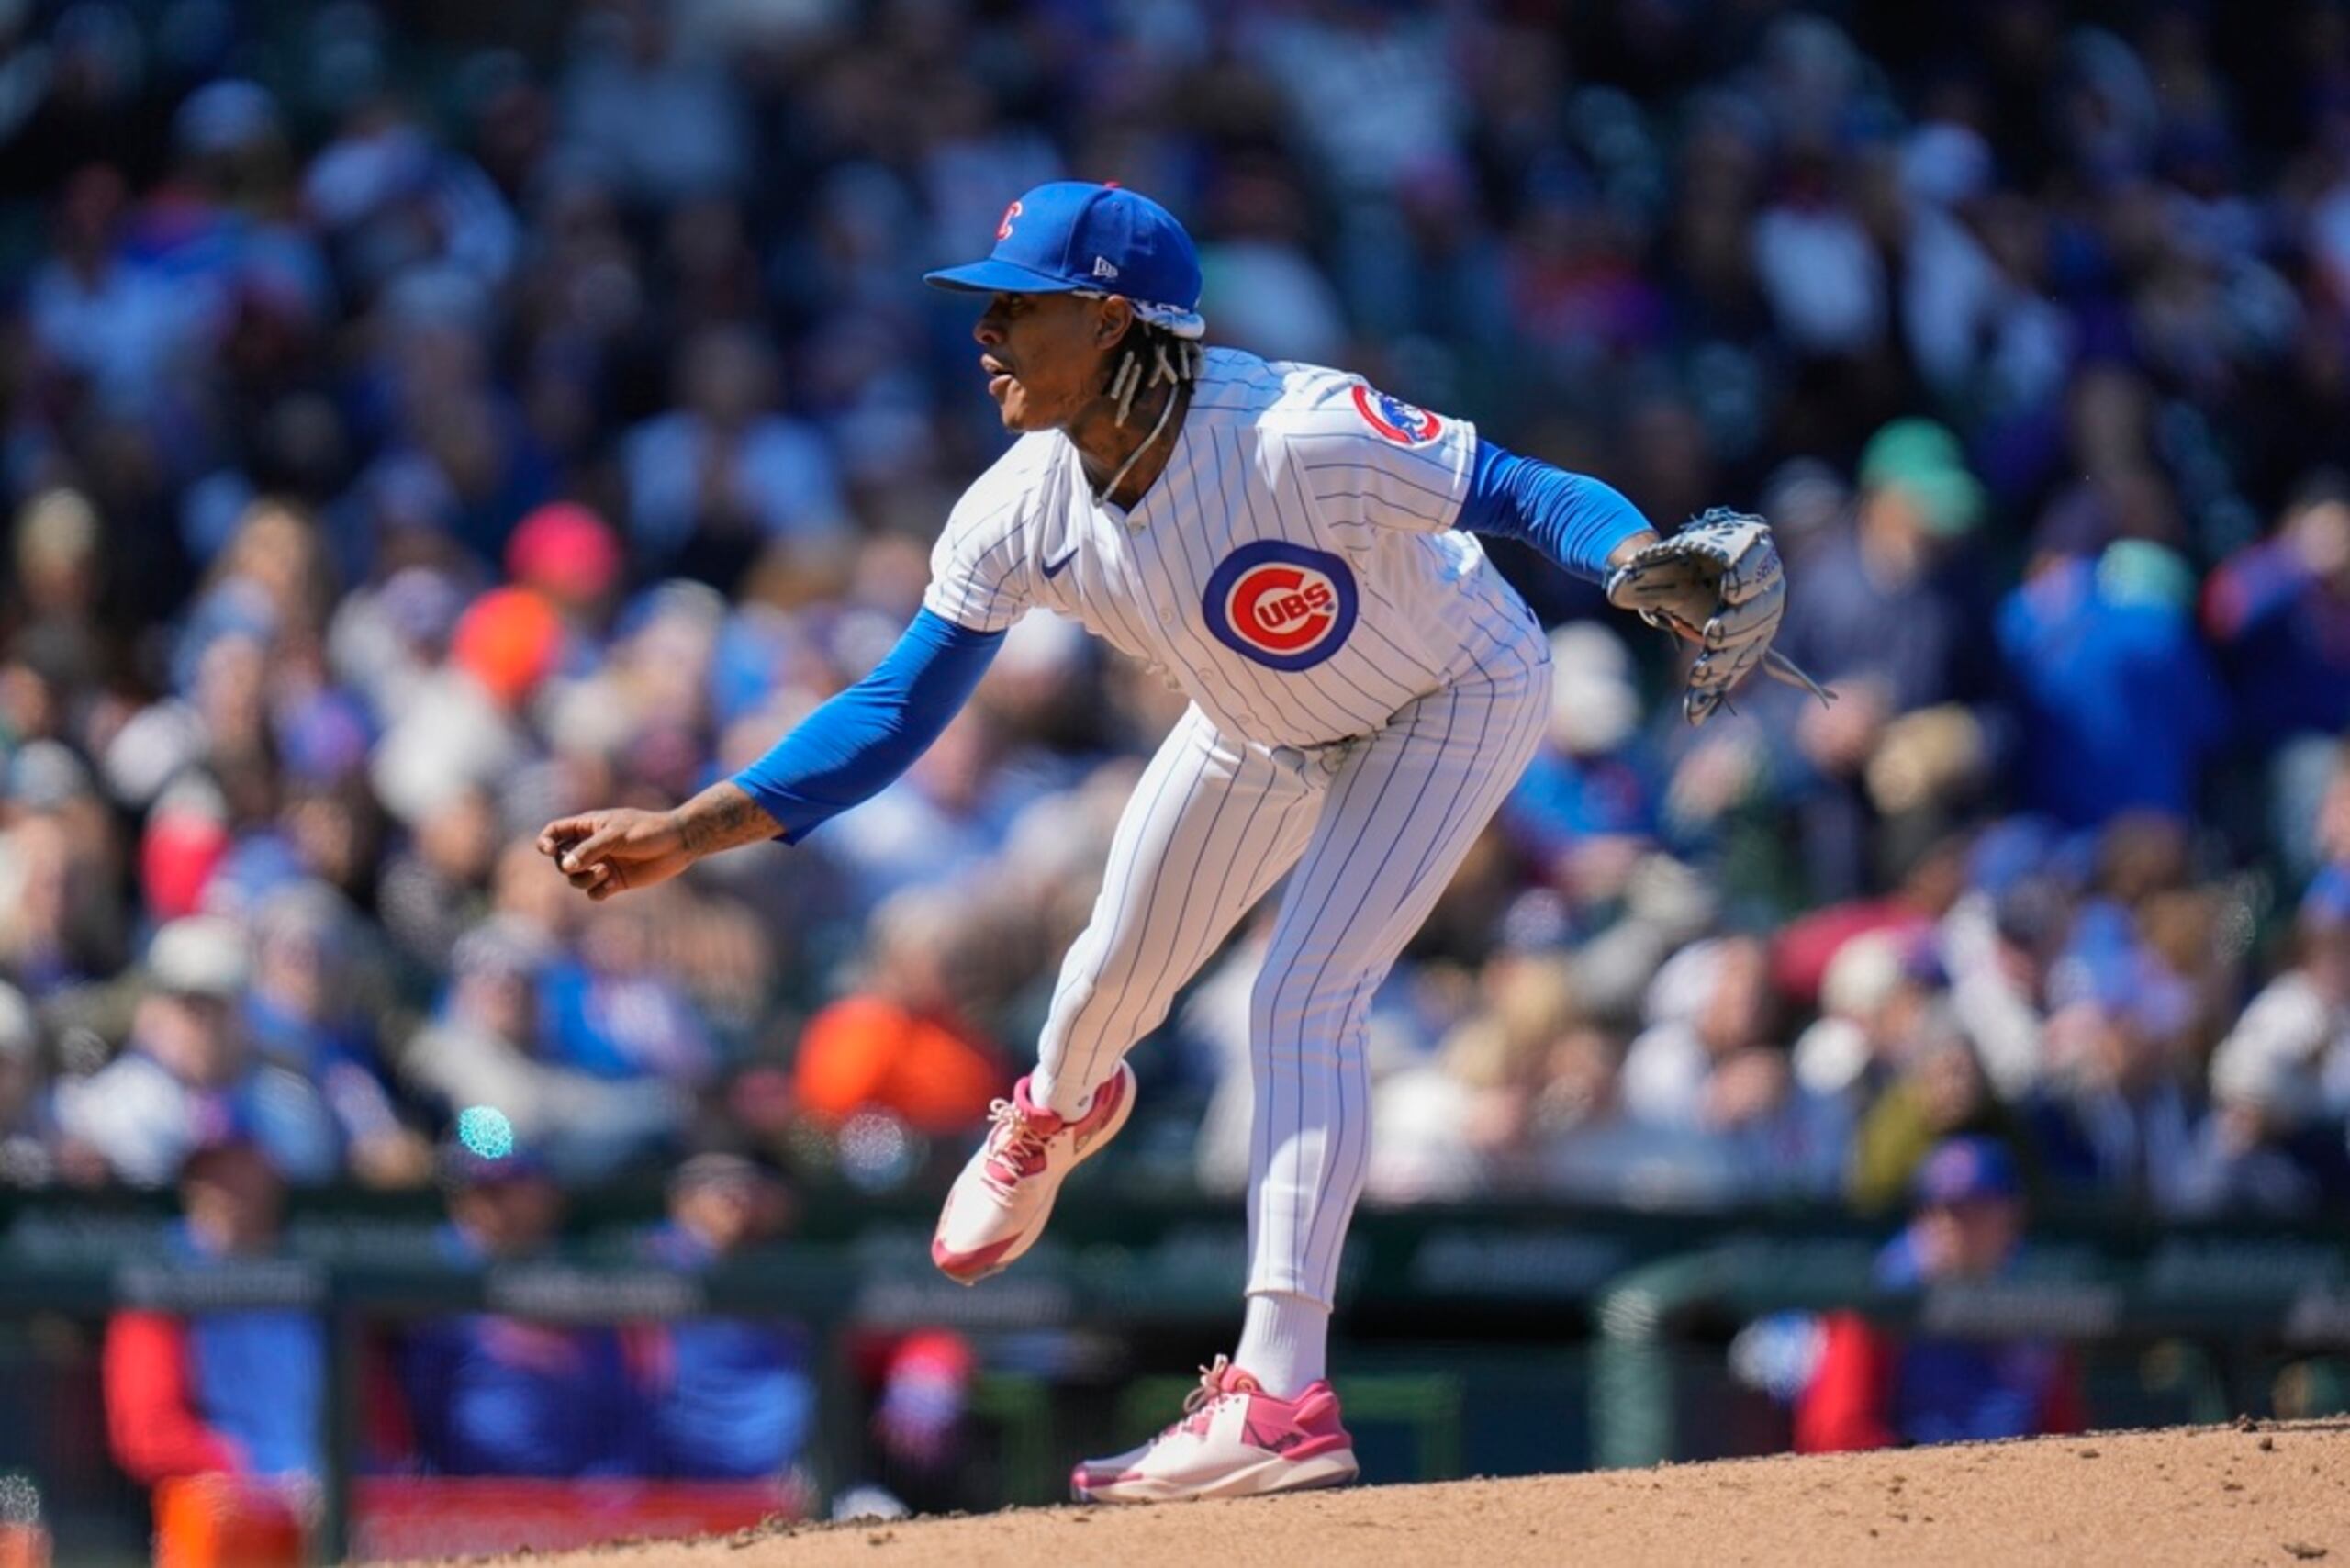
1717 583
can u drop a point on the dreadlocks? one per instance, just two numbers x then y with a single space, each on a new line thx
1148 356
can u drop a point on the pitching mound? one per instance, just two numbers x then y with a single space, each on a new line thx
2271 1494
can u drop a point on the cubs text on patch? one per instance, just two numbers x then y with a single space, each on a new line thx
1283 605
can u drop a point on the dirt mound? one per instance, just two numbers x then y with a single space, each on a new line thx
2274 1494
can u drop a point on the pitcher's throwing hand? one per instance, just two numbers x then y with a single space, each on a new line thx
622 849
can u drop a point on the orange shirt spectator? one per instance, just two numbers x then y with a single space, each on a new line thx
905 1042
934 1072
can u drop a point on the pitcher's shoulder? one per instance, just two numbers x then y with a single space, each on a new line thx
1235 383
1017 487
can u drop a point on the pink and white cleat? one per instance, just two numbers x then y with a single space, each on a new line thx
1234 1440
998 1206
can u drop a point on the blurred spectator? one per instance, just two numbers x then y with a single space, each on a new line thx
1587 808
713 484
307 1011
903 1042
1707 1071
28 1139
1824 278
432 891
2117 705
2116 1116
1694 1065
1809 946
464 727
2253 1155
238 1391
2279 616
190 1059
730 1397
379 419
487 1394
1452 1128
57 860
920 1441
1869 1005
572 559
1888 614
2280 1080
1996 943
1872 1389
97 313
642 101
1939 1091
484 1048
613 1007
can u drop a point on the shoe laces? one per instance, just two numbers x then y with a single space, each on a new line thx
1015 1145
1199 1405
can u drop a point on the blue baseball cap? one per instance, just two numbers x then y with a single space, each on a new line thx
1074 237
1967 1170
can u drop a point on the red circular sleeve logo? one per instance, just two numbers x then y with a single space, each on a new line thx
1392 419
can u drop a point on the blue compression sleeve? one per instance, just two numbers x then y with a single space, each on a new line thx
850 749
1573 518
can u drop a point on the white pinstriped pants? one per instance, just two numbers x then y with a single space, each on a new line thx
1376 828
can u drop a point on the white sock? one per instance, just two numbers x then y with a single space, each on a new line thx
1041 1088
1284 1342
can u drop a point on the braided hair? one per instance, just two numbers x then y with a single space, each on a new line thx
1148 356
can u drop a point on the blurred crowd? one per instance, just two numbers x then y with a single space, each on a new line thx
240 1390
416 425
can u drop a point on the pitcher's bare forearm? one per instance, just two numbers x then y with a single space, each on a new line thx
722 817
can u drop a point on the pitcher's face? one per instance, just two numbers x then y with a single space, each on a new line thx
1046 356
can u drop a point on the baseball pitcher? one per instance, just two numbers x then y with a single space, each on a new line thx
1298 550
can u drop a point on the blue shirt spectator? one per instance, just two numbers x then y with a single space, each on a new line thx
730 1397
2118 704
490 1395
1872 1389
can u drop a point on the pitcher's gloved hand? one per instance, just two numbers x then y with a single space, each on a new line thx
1718 584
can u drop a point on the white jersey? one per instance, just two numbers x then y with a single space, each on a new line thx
1294 567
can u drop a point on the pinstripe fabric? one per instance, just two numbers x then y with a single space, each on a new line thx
1401 816
1363 736
1376 831
1266 452
1211 826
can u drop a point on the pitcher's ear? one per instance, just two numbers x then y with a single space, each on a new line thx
1110 327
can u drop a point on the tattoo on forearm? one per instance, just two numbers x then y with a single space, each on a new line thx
723 817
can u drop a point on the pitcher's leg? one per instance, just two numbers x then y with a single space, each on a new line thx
1212 825
1400 818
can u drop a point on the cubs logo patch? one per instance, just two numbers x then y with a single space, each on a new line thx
1394 419
1281 605
1003 229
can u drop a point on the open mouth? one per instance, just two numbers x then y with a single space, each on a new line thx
999 375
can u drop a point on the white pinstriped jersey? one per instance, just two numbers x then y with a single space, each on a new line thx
1294 567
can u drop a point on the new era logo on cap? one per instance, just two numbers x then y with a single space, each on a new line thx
1072 235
